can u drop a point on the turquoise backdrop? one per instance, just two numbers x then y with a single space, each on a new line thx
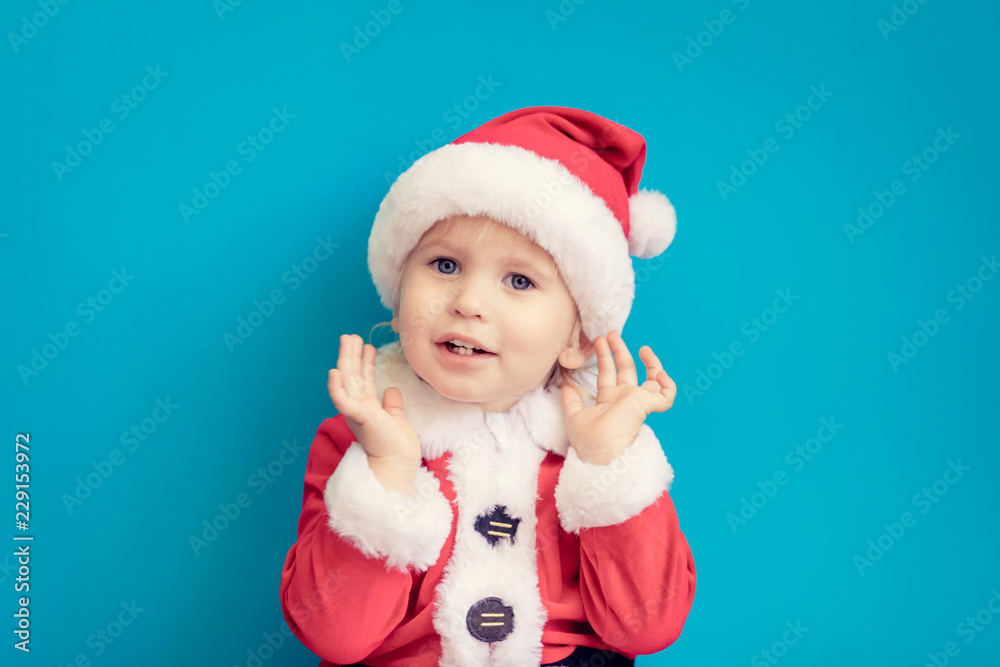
827 308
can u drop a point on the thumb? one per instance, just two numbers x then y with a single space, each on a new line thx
572 400
392 401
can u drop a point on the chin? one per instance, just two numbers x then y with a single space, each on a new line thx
460 394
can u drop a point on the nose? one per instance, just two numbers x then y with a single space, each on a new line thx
469 297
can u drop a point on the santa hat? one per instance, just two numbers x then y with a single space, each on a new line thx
566 178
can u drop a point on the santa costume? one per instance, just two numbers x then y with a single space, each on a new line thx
512 551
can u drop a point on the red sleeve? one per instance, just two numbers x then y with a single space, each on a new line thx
637 579
339 602
637 575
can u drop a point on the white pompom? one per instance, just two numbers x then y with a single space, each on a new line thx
652 223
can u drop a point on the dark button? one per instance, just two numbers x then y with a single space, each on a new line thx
497 525
490 620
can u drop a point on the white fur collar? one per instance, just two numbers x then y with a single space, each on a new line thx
444 425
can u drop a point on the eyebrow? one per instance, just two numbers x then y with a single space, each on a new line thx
514 260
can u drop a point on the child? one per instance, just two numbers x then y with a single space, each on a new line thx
469 505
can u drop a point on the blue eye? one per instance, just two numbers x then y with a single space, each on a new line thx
445 262
520 283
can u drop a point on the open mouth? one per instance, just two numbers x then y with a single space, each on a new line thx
464 351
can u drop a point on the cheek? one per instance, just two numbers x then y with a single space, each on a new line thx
552 326
407 319
425 298
540 334
413 324
421 304
410 300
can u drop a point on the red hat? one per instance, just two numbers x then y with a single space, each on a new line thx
566 178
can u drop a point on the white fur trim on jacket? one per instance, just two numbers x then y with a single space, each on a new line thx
408 531
593 496
537 196
501 470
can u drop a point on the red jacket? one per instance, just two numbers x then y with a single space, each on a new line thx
512 551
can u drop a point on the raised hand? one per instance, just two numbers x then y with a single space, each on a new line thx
382 429
602 431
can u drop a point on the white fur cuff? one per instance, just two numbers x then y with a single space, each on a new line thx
408 531
593 496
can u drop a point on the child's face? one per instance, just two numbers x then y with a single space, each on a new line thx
505 294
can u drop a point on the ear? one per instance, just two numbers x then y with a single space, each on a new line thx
578 349
393 324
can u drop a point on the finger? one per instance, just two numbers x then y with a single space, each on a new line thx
344 362
392 401
652 402
663 385
368 363
623 359
606 375
332 383
657 379
669 390
653 366
342 354
572 401
335 385
346 404
353 375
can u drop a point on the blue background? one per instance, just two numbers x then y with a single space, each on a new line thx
826 357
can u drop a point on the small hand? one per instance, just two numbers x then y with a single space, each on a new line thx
382 429
602 431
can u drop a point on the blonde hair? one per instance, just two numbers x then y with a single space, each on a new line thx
582 378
